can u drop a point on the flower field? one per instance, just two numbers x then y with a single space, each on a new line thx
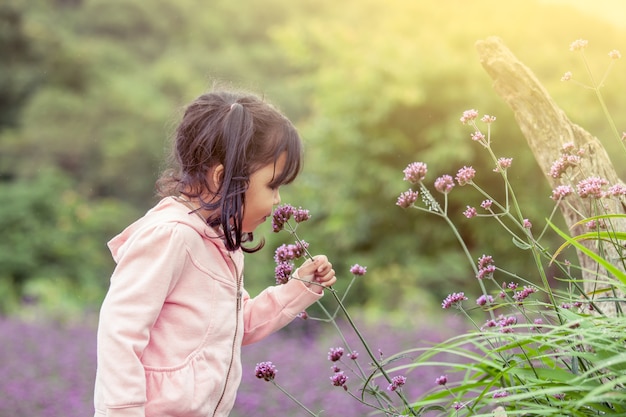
49 370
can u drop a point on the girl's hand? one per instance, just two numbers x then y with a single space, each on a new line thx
317 273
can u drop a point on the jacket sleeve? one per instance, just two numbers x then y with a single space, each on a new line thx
145 274
274 308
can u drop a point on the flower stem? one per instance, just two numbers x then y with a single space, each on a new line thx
294 399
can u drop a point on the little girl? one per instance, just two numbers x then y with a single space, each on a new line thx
176 313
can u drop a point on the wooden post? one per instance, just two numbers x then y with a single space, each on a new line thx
546 129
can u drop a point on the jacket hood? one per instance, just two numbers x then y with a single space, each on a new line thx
168 210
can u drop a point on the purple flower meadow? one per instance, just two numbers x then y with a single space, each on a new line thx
47 370
299 348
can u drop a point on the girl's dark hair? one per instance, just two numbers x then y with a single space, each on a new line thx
243 133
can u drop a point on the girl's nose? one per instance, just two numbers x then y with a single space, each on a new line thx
276 197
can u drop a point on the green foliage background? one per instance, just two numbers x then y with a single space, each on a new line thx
90 91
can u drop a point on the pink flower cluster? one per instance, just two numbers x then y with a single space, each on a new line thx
578 45
503 322
484 300
334 354
358 270
283 213
407 198
339 379
265 370
486 268
521 295
290 252
453 299
591 187
444 184
469 115
396 382
470 212
465 175
284 257
502 164
570 157
415 172
561 192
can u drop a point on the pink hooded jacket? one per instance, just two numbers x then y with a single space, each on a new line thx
175 317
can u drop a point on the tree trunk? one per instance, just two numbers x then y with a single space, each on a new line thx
546 129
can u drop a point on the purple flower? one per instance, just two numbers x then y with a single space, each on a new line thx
281 215
453 299
478 136
486 272
486 204
616 190
334 354
500 394
407 198
301 215
488 119
578 45
591 187
485 261
614 54
289 252
415 172
444 184
358 270
339 380
484 299
503 164
283 272
441 380
469 115
396 382
354 355
520 296
527 224
561 191
465 175
570 157
470 212
265 370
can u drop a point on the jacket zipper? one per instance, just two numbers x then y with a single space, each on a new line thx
232 353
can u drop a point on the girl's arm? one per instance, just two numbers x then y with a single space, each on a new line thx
145 274
277 306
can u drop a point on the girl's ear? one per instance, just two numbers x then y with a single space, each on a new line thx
217 176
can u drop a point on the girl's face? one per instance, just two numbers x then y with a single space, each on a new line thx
260 198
